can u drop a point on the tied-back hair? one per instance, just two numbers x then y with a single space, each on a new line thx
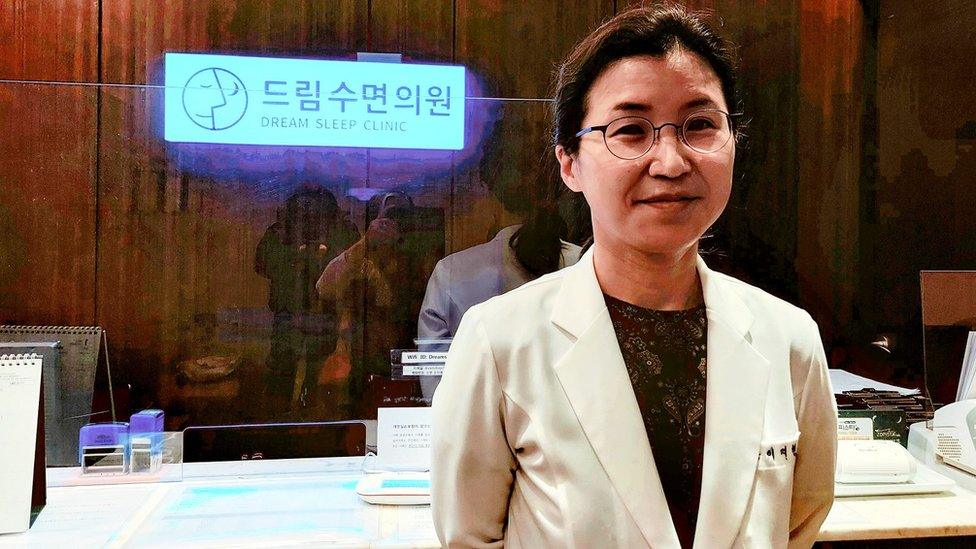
538 244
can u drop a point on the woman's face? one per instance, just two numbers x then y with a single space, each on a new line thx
662 202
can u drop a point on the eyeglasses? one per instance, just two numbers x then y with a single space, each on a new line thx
630 137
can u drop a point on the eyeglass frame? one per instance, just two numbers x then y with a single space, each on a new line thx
679 131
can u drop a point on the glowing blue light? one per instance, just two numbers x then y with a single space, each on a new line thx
230 99
406 483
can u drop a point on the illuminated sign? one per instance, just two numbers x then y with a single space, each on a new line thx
305 102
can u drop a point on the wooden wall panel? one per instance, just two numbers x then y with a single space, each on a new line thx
501 184
47 204
830 118
761 221
47 162
136 33
512 49
926 159
49 40
421 30
514 46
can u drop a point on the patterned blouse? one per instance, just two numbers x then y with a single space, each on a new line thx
665 356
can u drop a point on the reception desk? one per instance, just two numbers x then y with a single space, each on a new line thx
313 501
946 514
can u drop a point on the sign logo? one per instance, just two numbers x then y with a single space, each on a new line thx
214 98
310 102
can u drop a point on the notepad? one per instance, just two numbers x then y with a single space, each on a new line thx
20 395
69 381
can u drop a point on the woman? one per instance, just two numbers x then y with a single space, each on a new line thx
637 398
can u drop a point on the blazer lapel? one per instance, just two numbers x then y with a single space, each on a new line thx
736 384
595 379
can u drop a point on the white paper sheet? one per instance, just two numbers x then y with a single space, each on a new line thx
967 389
403 438
842 380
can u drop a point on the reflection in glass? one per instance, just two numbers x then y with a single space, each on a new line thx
310 230
377 284
471 276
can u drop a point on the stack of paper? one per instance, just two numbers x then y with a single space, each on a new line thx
842 380
967 389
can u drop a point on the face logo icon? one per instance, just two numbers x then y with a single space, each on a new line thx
214 99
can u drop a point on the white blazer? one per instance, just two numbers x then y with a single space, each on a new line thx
538 440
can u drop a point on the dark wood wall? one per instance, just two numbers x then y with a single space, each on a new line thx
101 223
922 199
47 162
831 105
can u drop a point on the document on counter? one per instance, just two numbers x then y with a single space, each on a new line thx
20 397
403 439
842 380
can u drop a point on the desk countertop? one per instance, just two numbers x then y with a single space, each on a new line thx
884 517
296 502
284 503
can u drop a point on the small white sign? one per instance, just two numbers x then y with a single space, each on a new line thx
403 438
20 394
423 357
855 428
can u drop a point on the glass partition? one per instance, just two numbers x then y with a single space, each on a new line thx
268 283
242 284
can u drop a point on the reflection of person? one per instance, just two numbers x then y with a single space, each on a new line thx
377 285
381 240
471 276
309 232
575 409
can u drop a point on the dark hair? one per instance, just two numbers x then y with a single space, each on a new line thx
556 215
309 214
654 31
512 171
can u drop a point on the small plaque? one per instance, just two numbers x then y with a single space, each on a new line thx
411 363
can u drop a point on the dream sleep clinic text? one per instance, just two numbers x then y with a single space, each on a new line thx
332 123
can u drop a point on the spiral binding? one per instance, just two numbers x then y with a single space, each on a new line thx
60 330
12 360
